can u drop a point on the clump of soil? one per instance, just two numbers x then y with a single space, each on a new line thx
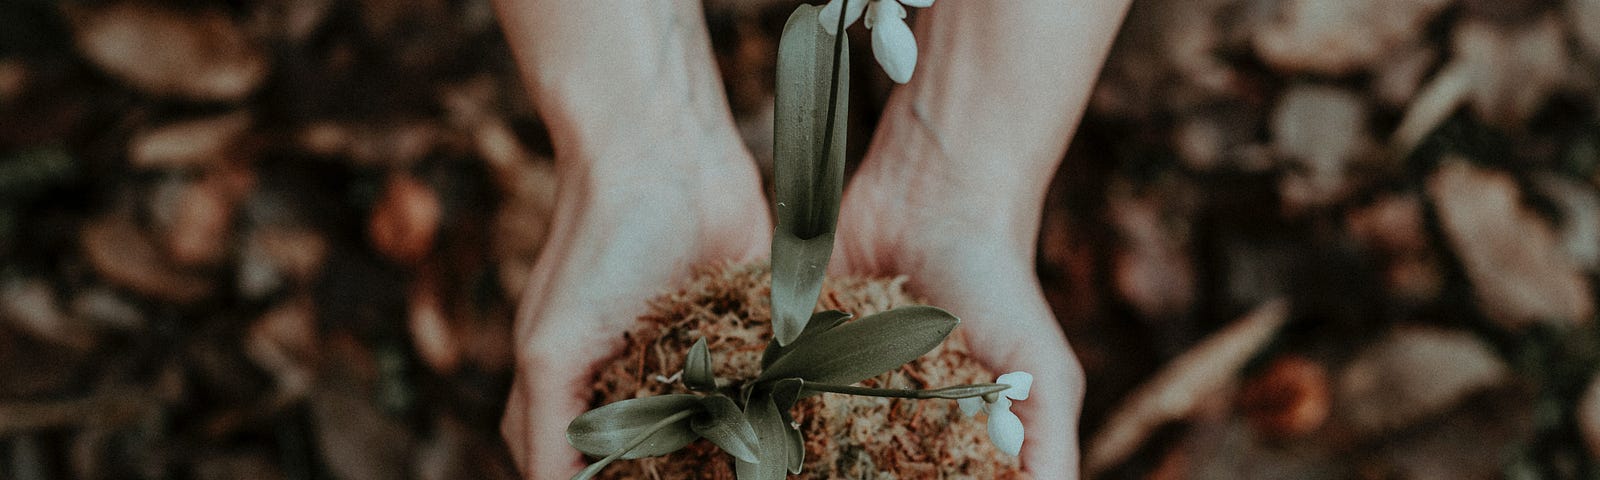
846 436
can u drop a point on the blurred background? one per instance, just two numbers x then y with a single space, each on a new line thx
1292 239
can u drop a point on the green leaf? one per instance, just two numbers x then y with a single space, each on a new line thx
725 425
808 164
865 348
784 395
605 430
820 322
796 451
771 437
786 392
638 439
697 368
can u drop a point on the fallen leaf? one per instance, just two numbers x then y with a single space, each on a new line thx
194 55
1343 37
1178 388
1412 374
405 220
1290 399
1511 256
125 256
1321 129
189 144
31 305
1514 69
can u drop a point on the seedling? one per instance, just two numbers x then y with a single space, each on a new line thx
810 353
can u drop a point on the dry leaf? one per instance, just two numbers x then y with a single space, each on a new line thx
431 333
1152 271
125 256
274 257
189 144
31 306
1579 206
1412 374
405 220
199 56
1511 256
1342 37
1289 399
284 343
1200 373
1321 129
1513 69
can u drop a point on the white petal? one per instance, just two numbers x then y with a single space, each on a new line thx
1020 382
918 3
829 16
883 8
893 46
1005 430
970 406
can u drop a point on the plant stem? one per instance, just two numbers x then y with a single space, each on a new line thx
595 467
956 392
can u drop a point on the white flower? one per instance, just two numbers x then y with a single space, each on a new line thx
893 45
1005 429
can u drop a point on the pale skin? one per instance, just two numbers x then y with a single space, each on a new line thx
653 179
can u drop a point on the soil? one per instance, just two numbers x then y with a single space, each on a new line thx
846 436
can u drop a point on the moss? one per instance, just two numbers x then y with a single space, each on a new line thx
846 436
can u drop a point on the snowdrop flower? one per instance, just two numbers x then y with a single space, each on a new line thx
892 43
1005 429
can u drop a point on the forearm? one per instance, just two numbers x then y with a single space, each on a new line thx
998 90
604 70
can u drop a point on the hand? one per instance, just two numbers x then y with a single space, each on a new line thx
618 237
968 247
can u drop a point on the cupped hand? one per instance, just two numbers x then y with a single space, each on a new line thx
972 260
618 236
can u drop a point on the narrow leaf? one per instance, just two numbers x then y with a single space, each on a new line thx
633 443
820 322
865 348
697 368
808 164
771 438
725 425
796 446
605 430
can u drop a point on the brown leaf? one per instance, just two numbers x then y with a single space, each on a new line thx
1412 374
1514 70
1289 399
274 257
194 55
405 220
431 333
125 256
189 144
1152 270
1511 256
31 306
1343 37
1178 388
1321 129
284 343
